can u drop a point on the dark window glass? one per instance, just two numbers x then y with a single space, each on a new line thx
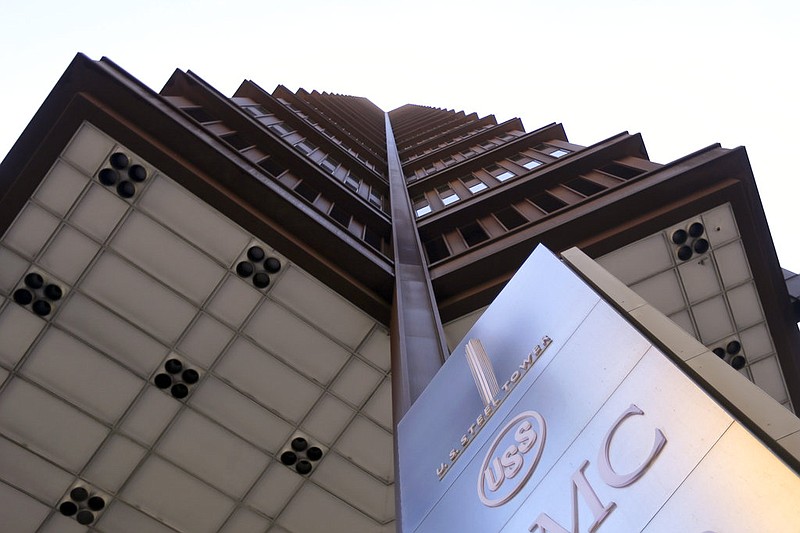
548 202
306 191
199 114
372 238
584 186
473 234
621 171
236 140
436 249
510 218
340 215
272 167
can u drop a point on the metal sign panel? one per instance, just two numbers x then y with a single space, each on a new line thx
554 414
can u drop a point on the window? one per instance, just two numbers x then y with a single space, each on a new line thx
448 161
622 171
421 206
279 129
372 238
375 198
236 140
272 167
473 234
306 147
256 110
199 114
352 182
584 186
474 184
552 150
510 218
487 145
547 202
306 191
533 163
436 249
503 176
329 164
447 194
340 215
429 169
468 153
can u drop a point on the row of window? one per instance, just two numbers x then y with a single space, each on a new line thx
523 211
327 162
530 162
474 184
282 129
484 146
322 129
340 215
438 133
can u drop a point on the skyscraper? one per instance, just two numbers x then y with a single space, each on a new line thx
199 294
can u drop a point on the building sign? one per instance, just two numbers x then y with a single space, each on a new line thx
555 415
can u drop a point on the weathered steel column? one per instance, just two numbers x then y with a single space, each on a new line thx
418 343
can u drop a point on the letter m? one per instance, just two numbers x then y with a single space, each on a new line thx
580 485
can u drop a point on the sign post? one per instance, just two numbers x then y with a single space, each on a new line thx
555 414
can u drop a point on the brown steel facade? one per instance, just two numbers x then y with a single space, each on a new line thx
417 216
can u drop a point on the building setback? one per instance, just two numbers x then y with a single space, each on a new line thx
213 310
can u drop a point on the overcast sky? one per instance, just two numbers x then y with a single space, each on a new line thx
685 74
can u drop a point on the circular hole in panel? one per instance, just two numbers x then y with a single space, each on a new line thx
34 280
303 467
684 253
738 362
108 177
53 292
126 189
733 347
272 265
190 376
245 269
679 236
696 229
118 160
299 444
23 296
137 173
700 246
173 366
163 381
314 453
288 458
85 517
68 508
96 503
78 494
261 280
719 352
41 308
255 253
179 391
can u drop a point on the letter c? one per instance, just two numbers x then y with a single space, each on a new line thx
611 477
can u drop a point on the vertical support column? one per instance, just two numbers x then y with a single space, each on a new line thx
418 343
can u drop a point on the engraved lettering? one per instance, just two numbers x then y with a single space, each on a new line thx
607 472
580 485
525 436
512 461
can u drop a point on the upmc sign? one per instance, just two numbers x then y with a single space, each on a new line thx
554 414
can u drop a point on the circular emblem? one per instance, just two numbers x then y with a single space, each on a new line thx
511 458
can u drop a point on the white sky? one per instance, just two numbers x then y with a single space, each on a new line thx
685 74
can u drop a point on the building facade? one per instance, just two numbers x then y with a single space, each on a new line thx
213 309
